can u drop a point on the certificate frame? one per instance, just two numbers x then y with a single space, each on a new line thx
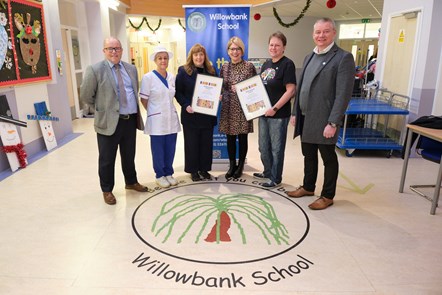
205 99
253 97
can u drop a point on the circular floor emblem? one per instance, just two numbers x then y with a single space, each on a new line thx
196 22
217 222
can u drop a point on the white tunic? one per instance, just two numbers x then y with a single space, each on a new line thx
162 117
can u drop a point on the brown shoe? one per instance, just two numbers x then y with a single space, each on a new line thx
109 198
300 192
137 187
321 203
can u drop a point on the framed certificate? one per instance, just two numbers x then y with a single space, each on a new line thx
253 97
206 94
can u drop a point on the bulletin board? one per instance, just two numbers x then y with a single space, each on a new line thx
23 43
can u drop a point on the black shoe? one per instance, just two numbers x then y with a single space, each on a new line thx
195 176
205 175
231 170
258 175
270 184
239 169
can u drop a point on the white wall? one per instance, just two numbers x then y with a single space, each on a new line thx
428 48
22 97
299 38
437 107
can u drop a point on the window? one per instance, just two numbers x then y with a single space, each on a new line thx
351 31
359 31
372 30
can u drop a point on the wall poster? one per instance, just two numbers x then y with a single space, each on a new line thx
23 44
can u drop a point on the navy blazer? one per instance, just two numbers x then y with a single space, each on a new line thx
184 87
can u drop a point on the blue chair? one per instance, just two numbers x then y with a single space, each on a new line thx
430 150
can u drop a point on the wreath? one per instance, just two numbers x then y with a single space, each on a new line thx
301 15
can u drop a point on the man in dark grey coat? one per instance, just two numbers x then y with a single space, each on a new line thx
324 92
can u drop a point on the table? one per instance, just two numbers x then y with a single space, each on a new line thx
435 134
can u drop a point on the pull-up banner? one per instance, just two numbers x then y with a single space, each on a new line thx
212 27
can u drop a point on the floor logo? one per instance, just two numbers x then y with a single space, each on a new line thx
217 222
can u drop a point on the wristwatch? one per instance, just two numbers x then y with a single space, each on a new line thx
275 109
332 125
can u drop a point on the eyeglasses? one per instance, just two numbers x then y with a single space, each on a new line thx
113 49
235 49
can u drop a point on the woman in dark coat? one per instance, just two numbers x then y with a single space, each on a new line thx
197 128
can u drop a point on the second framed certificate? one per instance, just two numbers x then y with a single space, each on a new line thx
253 97
206 94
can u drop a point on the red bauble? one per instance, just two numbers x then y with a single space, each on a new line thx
331 3
257 16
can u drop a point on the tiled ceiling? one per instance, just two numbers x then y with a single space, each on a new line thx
344 9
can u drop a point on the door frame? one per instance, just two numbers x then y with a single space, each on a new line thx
413 61
69 58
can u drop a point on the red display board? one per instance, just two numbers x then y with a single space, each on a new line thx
23 44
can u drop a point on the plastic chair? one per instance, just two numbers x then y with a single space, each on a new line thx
430 150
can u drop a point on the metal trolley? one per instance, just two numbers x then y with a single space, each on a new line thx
381 120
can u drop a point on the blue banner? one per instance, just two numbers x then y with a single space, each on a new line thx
212 27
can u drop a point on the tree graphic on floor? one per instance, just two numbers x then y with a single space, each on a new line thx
230 211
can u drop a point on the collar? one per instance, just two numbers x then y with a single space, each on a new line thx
111 65
327 49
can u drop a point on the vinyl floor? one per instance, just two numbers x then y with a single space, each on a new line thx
218 236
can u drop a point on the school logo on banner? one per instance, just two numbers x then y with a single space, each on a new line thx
196 22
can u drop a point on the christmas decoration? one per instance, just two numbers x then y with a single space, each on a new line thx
29 41
181 25
301 15
147 23
331 3
18 149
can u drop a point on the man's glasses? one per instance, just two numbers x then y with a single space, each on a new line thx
113 49
234 49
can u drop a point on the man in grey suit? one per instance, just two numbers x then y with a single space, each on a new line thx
111 87
324 92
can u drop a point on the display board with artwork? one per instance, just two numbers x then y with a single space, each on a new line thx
23 44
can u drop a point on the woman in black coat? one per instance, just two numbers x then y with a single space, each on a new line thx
197 128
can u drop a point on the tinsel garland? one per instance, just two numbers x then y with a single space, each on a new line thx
301 15
181 25
147 23
18 149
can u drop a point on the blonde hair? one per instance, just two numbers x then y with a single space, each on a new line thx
238 42
189 66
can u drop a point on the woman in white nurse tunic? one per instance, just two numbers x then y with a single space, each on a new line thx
162 124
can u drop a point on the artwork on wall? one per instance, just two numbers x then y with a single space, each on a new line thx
45 122
23 44
12 145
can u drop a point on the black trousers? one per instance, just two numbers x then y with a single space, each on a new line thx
124 138
198 149
331 167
